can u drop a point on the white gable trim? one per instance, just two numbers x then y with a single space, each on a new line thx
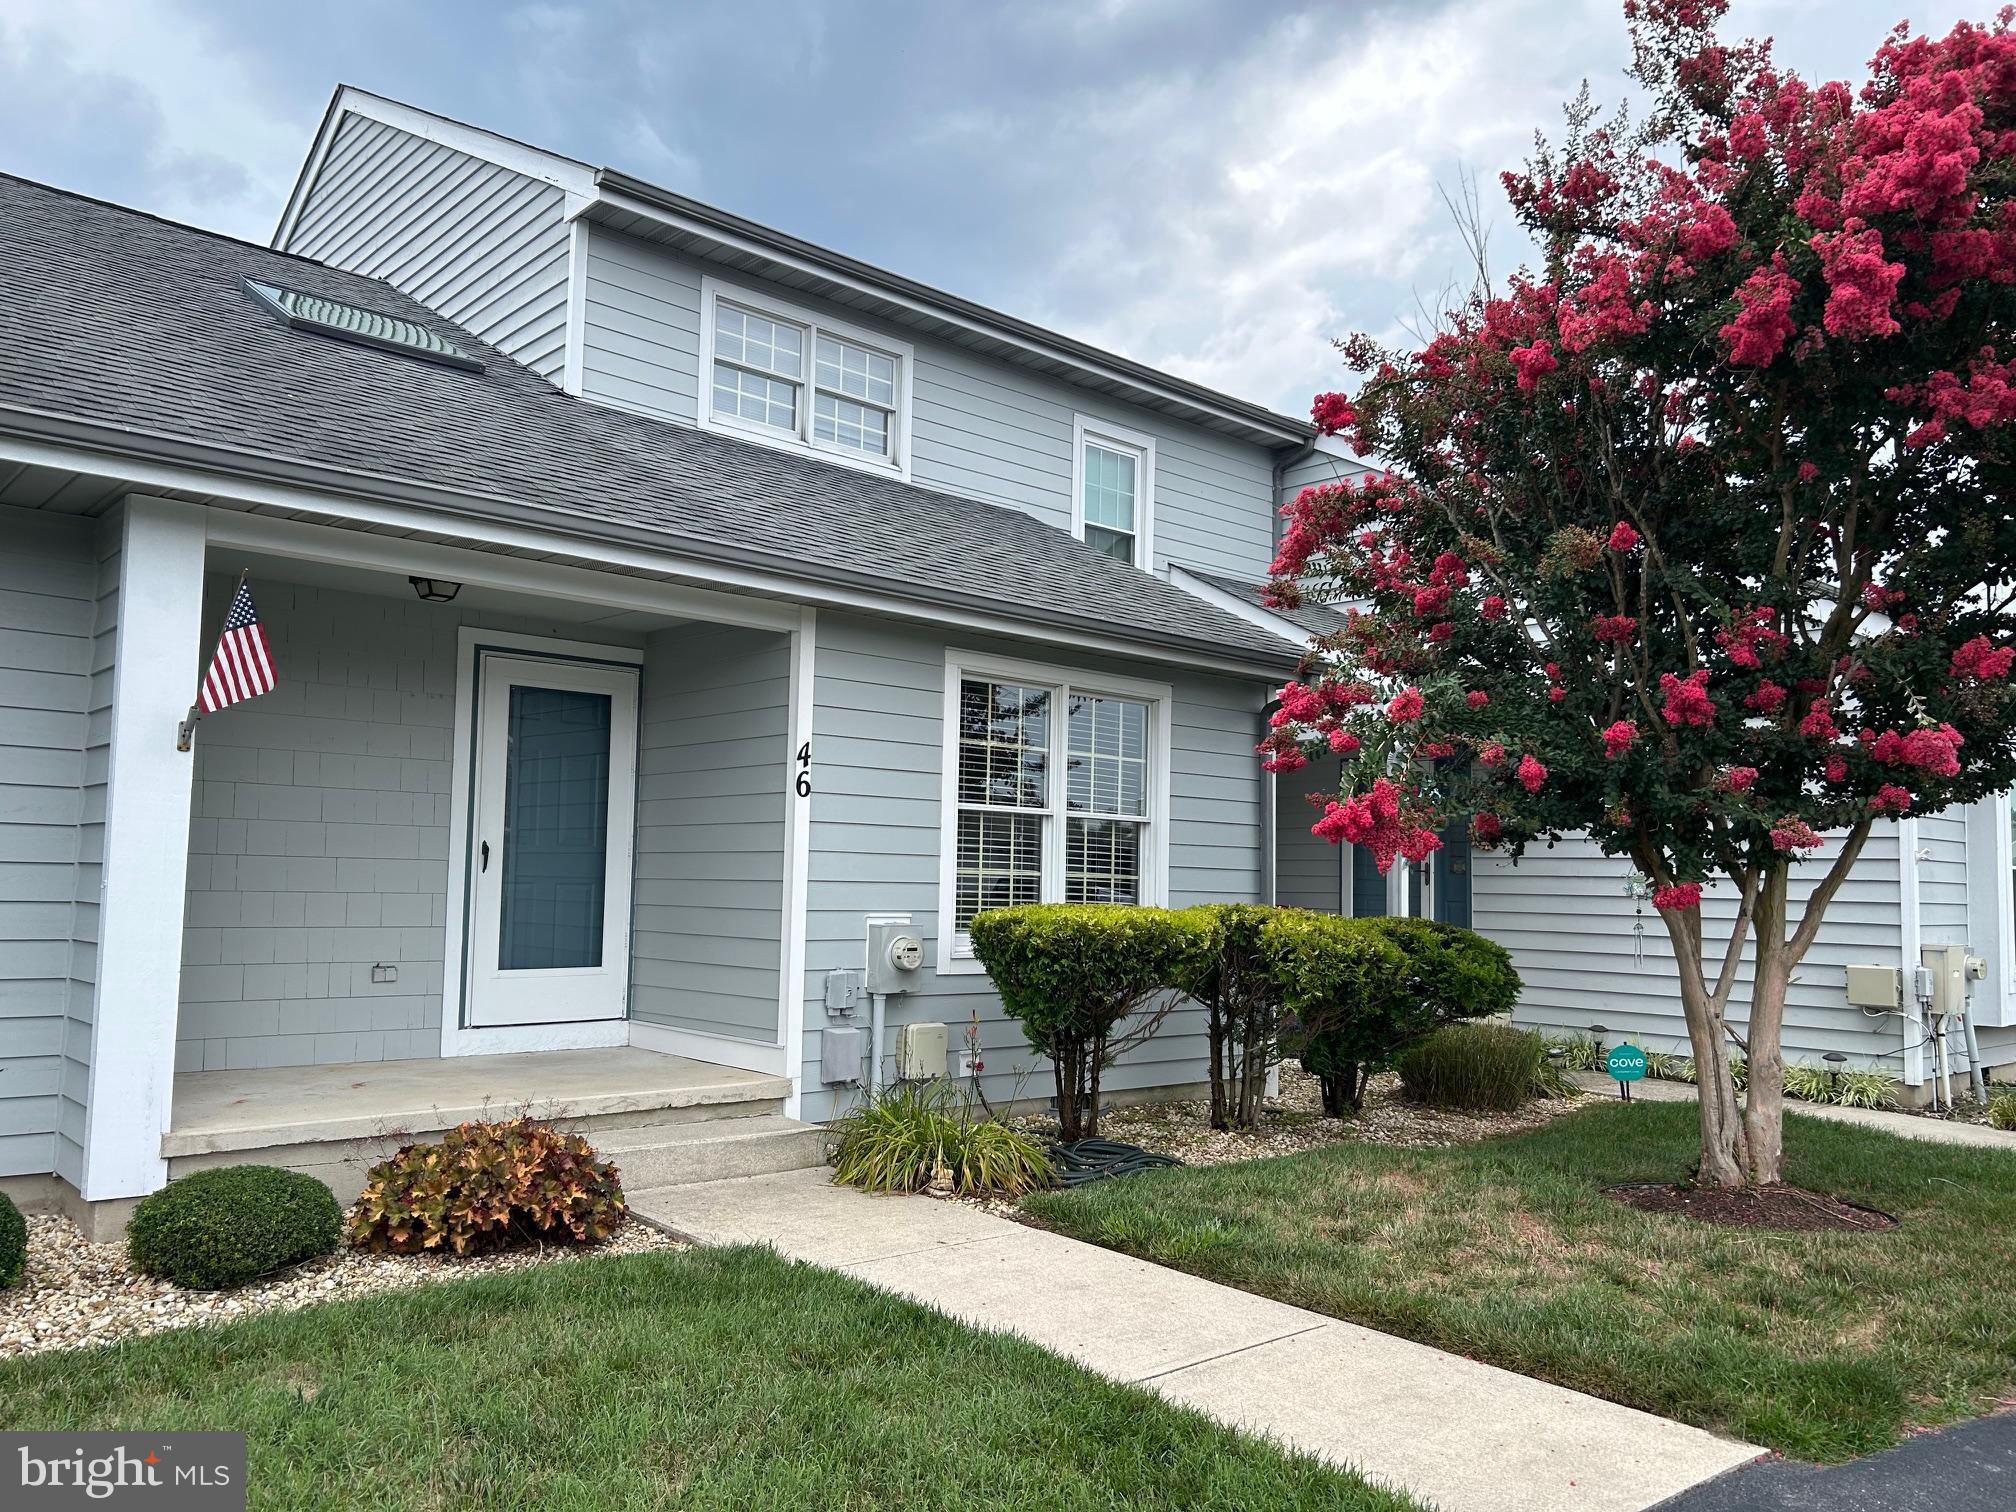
1245 608
576 179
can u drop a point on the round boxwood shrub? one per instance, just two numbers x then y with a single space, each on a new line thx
221 1228
13 1242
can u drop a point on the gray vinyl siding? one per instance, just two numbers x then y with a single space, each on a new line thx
48 618
1308 870
318 845
878 733
1566 918
983 429
713 779
484 245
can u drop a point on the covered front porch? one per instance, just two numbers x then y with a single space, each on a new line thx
506 835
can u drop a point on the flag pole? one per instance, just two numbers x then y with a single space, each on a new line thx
185 732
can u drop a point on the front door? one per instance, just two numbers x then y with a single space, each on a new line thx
552 816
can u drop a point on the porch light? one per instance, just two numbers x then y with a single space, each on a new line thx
435 590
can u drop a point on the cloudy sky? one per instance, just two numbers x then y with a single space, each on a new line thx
1214 186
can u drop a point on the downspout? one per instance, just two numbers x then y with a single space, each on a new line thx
1282 462
1909 947
1270 798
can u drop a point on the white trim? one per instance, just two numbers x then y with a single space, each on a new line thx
1908 950
713 289
574 358
144 858
576 179
1991 910
717 1050
1160 698
456 1038
798 855
550 538
461 564
1254 615
1085 428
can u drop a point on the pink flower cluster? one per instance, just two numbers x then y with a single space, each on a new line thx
1790 834
1493 607
1982 662
1764 323
1532 363
1861 286
1677 898
1741 779
1406 707
1747 633
1532 776
1819 722
1622 537
1332 413
1376 820
1891 799
1769 698
1934 749
1687 703
1613 629
1618 738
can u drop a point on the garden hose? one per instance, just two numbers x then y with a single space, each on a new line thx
1084 1160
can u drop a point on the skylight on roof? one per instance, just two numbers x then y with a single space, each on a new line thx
348 322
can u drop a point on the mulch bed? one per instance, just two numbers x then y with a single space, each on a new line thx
1787 1208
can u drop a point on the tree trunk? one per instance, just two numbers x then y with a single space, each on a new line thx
1219 1032
1064 1064
1764 1107
1724 1160
1095 1055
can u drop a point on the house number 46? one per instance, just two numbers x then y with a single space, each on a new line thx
803 782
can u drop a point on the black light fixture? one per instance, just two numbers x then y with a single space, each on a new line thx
1835 1061
1597 1031
435 590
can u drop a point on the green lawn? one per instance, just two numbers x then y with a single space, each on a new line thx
705 1379
1823 1346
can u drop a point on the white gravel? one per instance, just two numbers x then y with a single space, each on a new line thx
77 1295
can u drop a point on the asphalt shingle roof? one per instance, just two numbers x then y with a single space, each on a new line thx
113 317
1317 619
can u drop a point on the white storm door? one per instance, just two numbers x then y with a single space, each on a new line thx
551 828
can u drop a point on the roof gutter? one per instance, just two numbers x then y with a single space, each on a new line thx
752 236
105 446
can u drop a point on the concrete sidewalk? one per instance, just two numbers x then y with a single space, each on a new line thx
1463 1436
1903 1125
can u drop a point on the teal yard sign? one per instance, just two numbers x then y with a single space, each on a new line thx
1626 1065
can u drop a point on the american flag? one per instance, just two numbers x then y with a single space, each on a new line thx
243 664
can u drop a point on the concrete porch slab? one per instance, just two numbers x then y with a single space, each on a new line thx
221 1111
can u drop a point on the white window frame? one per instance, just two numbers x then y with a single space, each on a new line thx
1086 429
714 290
955 949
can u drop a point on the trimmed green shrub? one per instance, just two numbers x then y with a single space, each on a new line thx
1242 1005
1343 985
1475 1066
1457 972
1072 974
914 1136
13 1243
221 1228
489 1186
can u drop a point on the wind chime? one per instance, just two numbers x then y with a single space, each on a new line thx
1638 888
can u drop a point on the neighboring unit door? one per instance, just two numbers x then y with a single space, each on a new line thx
551 826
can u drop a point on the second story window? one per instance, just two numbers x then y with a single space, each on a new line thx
1113 491
789 376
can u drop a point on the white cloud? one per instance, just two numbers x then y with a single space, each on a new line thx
164 95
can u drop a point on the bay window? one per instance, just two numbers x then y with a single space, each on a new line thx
793 378
1055 792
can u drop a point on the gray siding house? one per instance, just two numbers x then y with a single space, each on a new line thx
657 603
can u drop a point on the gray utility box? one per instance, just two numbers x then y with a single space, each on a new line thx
841 1052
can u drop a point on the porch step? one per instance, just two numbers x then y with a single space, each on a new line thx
717 1150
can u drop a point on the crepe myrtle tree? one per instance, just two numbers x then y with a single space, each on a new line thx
1697 539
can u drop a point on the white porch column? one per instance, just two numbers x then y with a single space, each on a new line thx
154 606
